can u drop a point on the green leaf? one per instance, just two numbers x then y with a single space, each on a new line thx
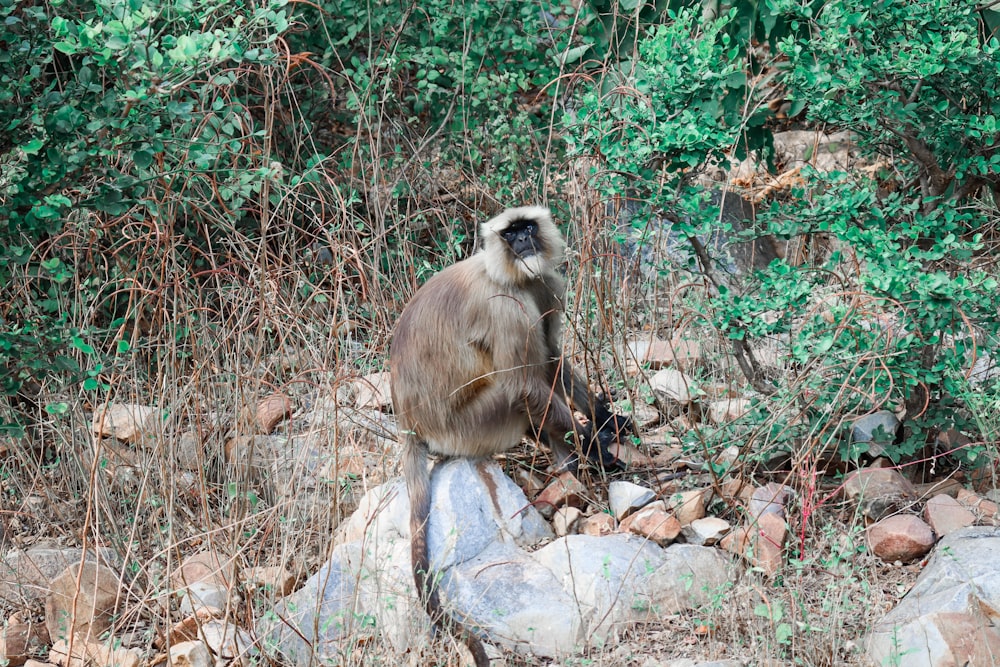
142 158
33 146
68 48
79 344
572 55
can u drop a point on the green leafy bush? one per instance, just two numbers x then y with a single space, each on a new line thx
891 316
129 134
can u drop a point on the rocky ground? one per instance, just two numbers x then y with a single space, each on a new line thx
680 556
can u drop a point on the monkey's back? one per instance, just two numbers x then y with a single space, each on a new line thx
459 353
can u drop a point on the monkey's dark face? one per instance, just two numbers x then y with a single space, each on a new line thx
522 237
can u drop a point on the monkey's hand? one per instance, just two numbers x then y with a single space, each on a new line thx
619 427
601 447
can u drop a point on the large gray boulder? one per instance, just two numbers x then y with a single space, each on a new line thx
575 591
948 618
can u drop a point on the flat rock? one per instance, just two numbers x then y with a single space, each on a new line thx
657 353
626 497
125 421
880 492
902 537
671 385
946 515
706 532
208 595
205 566
947 619
726 410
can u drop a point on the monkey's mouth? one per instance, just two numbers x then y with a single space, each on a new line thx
523 248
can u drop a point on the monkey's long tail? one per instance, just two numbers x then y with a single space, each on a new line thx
418 486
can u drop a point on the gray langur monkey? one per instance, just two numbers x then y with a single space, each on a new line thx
476 362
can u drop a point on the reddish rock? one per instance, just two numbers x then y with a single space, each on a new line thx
271 578
564 490
771 535
736 491
967 638
687 506
869 481
272 410
598 525
737 541
126 422
82 601
902 537
949 486
946 515
92 653
762 544
656 353
727 409
187 630
653 522
880 491
19 641
206 566
986 511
